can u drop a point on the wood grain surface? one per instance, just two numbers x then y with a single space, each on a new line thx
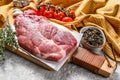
94 62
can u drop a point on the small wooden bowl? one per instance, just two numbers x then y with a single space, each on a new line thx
85 44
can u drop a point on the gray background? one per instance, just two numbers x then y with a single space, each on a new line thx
18 68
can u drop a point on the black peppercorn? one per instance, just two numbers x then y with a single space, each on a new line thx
93 37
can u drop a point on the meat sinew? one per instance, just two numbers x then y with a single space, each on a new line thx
43 39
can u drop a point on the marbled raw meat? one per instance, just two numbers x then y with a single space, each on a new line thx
40 37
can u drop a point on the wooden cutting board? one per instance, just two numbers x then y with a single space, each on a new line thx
93 62
82 57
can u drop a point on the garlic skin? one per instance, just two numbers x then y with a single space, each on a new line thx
21 3
17 12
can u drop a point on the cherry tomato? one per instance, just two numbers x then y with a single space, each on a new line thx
41 10
35 12
59 15
67 19
48 13
39 13
52 7
72 14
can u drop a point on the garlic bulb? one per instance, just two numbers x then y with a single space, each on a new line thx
16 12
21 3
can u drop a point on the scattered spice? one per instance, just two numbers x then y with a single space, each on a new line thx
93 37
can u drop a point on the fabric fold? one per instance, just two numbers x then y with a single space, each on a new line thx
104 14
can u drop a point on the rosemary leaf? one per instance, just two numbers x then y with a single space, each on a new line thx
7 37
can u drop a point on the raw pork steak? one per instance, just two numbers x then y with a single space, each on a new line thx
43 39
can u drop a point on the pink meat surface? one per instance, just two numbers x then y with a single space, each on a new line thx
43 39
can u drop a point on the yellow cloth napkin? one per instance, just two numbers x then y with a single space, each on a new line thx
104 14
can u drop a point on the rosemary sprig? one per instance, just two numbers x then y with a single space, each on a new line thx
7 38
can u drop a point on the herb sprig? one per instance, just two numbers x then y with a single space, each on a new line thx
7 38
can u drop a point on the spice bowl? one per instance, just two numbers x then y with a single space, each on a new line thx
93 38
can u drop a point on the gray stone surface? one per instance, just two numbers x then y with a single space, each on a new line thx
18 68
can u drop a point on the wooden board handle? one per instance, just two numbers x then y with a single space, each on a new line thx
93 62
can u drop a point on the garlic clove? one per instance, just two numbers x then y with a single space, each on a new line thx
17 12
21 3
